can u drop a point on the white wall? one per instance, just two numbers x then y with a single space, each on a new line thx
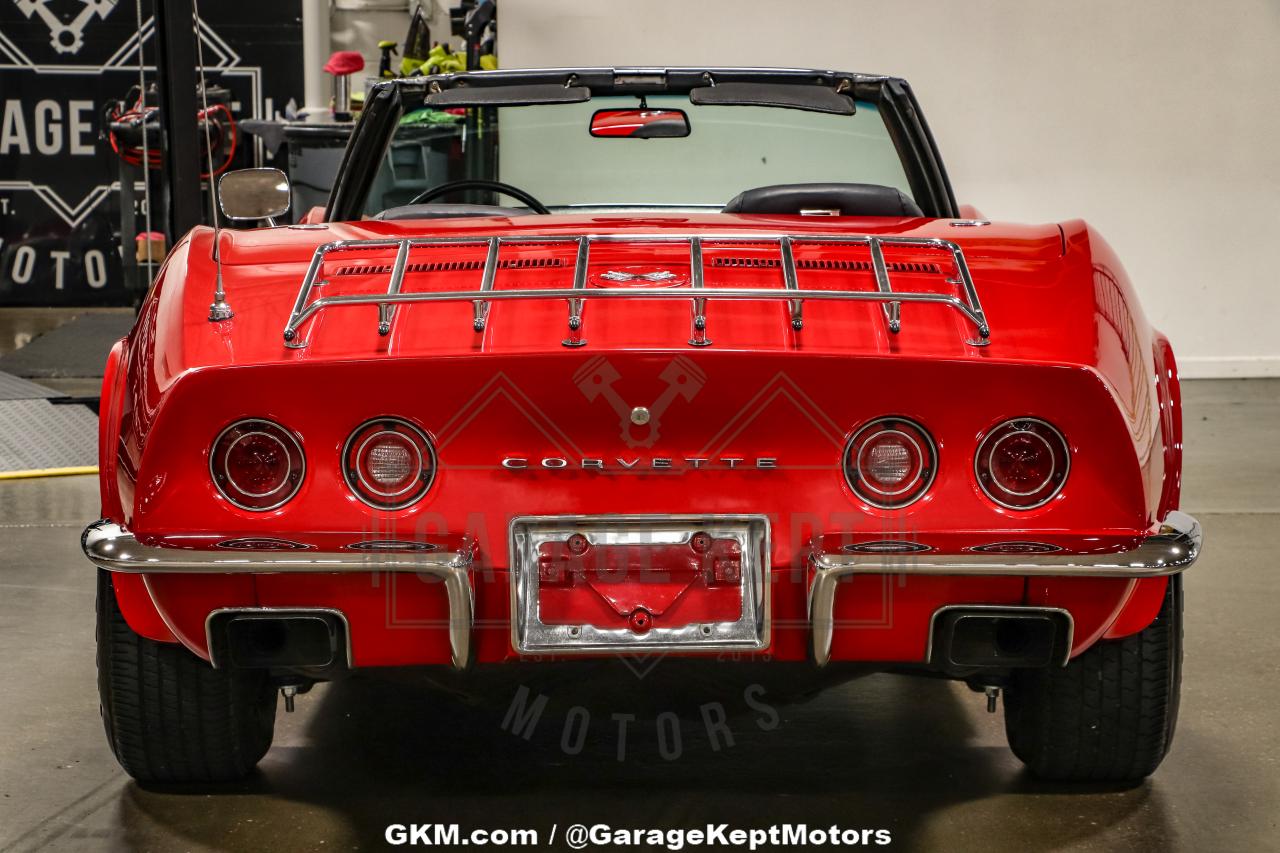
1157 122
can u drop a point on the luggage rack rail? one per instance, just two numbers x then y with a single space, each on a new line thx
967 303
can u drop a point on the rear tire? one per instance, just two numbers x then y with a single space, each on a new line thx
1109 715
170 716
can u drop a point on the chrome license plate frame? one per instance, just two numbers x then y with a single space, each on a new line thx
531 636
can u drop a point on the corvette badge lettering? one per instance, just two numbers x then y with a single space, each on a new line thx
639 463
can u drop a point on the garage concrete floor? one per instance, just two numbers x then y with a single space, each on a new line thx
920 758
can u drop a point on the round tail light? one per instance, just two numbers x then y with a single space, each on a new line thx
388 463
890 462
257 464
1022 463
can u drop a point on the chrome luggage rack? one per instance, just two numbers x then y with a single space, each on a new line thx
967 303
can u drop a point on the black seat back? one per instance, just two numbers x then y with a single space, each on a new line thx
842 199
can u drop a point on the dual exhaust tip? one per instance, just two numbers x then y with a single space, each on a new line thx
278 639
968 637
961 638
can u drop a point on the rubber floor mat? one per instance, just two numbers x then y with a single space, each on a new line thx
76 348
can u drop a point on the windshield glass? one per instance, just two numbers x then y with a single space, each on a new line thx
550 152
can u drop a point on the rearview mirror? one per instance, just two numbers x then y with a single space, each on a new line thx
253 194
643 123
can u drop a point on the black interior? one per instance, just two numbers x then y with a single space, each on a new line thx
833 199
445 211
481 184
830 199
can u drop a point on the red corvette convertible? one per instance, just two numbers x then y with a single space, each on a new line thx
639 361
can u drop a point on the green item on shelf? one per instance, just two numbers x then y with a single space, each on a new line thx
426 115
441 60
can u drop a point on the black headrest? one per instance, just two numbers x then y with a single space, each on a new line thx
845 199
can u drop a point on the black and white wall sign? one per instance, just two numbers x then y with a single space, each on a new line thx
60 62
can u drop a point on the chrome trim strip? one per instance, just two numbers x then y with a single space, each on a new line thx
109 546
1019 609
1171 549
300 611
968 303
530 636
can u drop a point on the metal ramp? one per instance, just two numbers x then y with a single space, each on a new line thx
38 437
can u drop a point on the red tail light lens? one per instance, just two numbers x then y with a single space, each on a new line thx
388 463
890 462
1023 463
256 464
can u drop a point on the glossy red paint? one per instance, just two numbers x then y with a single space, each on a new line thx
1069 345
141 611
1139 609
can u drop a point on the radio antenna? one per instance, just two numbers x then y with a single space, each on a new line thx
219 310
146 149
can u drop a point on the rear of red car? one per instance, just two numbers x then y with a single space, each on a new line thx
806 436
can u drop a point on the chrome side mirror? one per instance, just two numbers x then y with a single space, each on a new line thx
247 194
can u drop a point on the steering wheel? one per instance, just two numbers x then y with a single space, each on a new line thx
473 183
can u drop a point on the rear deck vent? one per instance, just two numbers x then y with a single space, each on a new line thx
452 266
530 263
826 264
865 266
762 263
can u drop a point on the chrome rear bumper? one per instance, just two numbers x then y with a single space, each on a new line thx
110 546
1168 551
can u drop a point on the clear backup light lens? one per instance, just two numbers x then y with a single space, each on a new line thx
1022 463
257 464
889 459
890 462
388 463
